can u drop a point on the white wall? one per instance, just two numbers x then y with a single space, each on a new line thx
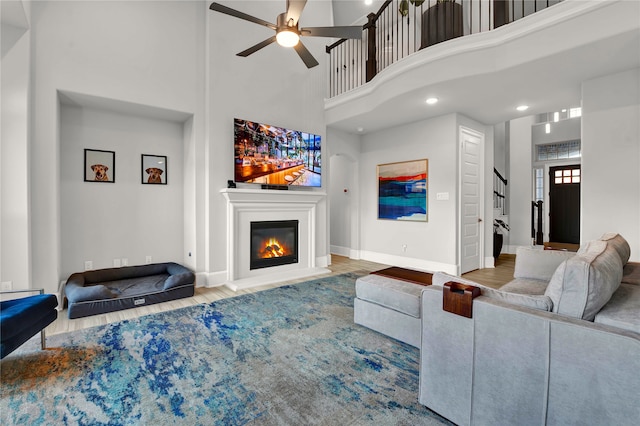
142 53
431 245
14 151
560 131
344 218
500 148
610 184
124 219
520 181
271 86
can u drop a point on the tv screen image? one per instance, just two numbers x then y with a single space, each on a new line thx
272 155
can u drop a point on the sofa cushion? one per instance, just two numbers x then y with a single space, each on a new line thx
620 244
16 313
582 285
538 264
623 310
527 286
401 296
539 302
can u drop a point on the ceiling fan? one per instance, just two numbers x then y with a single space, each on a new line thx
287 31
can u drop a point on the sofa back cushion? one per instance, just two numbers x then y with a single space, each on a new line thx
538 264
620 244
582 285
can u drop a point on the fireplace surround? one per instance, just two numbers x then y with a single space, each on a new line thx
255 205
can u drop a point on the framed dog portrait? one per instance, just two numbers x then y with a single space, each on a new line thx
154 169
99 166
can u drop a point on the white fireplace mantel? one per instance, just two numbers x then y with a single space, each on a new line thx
247 205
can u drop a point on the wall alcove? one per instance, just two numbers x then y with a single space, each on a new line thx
120 222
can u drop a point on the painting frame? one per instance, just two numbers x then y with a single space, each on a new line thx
153 169
403 190
99 166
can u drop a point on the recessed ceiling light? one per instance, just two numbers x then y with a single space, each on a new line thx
368 2
523 107
360 129
432 101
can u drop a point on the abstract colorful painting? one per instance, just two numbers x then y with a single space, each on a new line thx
402 191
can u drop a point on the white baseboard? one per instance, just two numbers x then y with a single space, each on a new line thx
408 262
323 261
489 262
345 251
340 251
211 279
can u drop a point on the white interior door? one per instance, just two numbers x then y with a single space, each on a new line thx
471 199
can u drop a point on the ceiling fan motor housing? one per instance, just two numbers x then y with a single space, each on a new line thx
287 33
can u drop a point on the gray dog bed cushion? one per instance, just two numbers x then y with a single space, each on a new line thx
113 289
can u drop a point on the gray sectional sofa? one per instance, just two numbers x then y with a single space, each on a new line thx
558 345
561 344
113 289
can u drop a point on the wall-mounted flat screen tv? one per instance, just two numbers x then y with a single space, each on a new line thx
272 155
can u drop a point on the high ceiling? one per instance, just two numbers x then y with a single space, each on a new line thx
544 67
349 12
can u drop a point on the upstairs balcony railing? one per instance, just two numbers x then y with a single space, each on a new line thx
403 27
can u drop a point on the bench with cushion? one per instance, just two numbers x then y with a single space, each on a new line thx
23 318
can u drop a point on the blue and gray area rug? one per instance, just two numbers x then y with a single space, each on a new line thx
287 356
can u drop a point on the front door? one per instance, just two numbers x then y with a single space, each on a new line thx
564 204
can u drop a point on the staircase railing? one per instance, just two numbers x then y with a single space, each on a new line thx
403 27
499 192
536 219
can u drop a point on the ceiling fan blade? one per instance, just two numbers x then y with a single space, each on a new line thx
257 47
305 55
294 9
232 12
337 32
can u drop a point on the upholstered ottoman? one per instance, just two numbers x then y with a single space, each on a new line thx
390 306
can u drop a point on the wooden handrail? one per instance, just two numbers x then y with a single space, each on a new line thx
497 173
391 34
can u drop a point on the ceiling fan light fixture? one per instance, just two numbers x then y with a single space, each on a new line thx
287 38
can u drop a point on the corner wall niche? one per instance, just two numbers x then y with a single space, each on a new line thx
245 206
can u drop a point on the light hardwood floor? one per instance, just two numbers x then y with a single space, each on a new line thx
493 277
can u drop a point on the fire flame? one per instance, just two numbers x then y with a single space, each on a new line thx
272 248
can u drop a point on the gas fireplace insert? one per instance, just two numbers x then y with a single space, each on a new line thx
273 243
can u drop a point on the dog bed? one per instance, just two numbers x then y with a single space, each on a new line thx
115 289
